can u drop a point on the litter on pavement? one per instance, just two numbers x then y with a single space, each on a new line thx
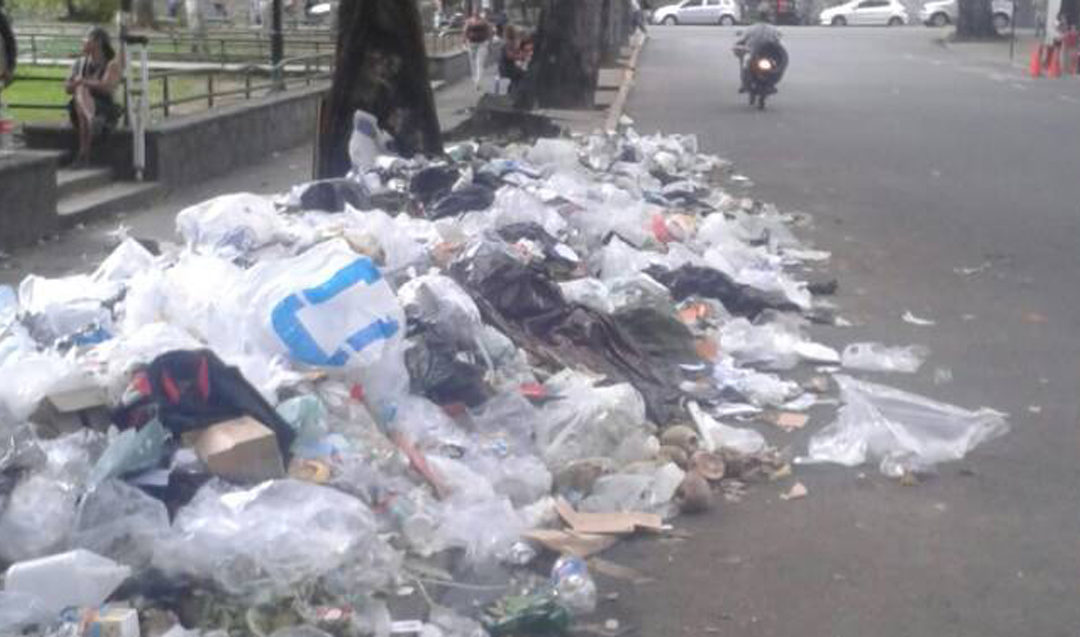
413 382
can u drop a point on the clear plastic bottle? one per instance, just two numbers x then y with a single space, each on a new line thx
574 587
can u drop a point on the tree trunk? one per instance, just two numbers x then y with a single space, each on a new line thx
975 20
381 69
144 14
70 4
567 59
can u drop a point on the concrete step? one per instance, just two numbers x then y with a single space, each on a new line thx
71 181
112 197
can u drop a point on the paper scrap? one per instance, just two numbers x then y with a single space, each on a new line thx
797 491
915 320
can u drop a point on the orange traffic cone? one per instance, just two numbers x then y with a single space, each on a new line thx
1036 61
1054 69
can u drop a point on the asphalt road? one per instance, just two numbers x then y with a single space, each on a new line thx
914 159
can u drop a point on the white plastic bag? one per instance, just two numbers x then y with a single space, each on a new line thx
124 262
774 345
590 292
229 225
66 305
716 435
904 431
78 578
327 307
875 357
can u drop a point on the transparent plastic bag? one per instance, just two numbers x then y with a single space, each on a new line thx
904 431
651 492
875 357
775 344
486 529
574 587
20 609
121 522
586 421
590 292
125 261
63 306
761 389
38 518
129 451
443 305
561 153
269 538
716 435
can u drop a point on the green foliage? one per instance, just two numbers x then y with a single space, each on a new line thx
98 11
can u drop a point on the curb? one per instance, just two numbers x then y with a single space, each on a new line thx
615 111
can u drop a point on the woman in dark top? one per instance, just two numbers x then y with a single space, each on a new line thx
510 60
93 78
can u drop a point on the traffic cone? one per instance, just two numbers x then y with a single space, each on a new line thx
1054 69
1036 61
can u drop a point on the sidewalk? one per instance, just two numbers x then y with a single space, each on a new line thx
997 52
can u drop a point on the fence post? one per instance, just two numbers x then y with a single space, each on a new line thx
222 42
33 49
127 118
210 90
247 84
165 93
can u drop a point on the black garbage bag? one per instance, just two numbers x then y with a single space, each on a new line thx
438 372
739 299
433 183
517 290
466 199
559 260
188 390
661 336
331 195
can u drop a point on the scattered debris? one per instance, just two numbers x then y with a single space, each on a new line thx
797 491
915 320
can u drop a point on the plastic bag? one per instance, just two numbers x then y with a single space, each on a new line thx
59 307
308 416
37 374
486 529
131 450
439 302
38 518
514 205
586 421
590 292
650 492
875 357
77 578
20 609
904 431
561 153
366 142
269 538
125 261
761 389
328 307
121 522
716 435
229 225
775 344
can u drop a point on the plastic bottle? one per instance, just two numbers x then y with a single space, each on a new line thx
574 587
417 524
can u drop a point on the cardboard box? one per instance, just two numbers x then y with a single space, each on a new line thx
68 411
240 450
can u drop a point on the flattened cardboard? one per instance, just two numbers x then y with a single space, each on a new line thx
608 523
569 542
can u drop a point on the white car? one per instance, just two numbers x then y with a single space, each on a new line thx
943 12
862 12
726 12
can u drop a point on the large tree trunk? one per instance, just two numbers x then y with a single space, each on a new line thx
975 20
567 59
381 69
144 14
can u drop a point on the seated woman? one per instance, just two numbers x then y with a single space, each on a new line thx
93 78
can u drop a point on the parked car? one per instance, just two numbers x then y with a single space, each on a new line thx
941 13
726 12
864 12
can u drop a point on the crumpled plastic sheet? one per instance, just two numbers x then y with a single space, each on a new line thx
121 522
875 357
272 537
773 345
902 431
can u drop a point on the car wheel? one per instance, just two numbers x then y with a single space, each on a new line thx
896 22
670 20
727 21
839 21
1001 21
939 20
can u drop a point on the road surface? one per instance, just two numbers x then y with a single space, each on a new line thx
914 159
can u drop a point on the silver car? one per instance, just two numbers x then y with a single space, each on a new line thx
726 12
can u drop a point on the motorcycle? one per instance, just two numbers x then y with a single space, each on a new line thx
762 72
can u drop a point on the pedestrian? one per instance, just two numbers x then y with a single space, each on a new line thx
93 78
511 61
478 40
637 17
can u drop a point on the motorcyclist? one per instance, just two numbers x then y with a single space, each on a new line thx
759 37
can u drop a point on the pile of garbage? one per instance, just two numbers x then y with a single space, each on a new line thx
430 378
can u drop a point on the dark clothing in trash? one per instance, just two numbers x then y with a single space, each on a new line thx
525 304
188 390
556 264
433 183
331 195
465 199
739 299
437 372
